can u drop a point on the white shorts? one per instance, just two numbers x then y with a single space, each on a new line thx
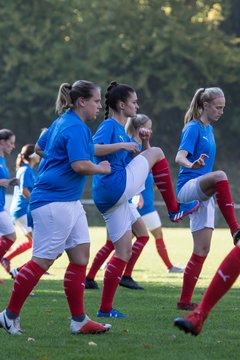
204 217
6 223
191 191
58 226
22 223
152 220
122 215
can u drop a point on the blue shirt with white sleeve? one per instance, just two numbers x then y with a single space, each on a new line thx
19 205
196 139
4 174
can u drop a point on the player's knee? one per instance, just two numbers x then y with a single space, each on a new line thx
220 175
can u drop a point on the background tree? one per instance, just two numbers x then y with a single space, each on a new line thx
165 49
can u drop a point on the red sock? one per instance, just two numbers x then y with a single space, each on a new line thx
24 282
163 180
74 288
136 251
225 203
162 251
5 244
190 277
99 259
24 246
222 281
112 277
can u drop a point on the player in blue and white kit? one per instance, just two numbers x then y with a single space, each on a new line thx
59 220
7 230
129 171
25 162
145 201
197 180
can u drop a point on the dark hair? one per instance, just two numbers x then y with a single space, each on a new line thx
68 94
201 95
5 134
24 156
115 93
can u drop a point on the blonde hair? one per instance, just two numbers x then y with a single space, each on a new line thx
134 123
68 94
201 95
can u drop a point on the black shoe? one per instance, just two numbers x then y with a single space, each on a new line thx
236 236
128 282
91 284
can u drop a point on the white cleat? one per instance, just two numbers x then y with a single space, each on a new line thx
12 326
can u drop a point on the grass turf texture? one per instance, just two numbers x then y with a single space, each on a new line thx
148 332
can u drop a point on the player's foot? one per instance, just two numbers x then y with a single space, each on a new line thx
87 326
128 282
175 269
186 306
184 210
6 264
236 236
91 284
1 281
11 326
111 314
14 273
192 323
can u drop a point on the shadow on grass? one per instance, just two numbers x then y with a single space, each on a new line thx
147 333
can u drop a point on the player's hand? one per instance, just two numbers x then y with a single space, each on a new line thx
104 167
144 133
14 182
200 162
130 147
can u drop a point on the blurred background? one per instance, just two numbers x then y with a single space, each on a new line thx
164 49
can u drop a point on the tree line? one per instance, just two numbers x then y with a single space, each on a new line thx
165 49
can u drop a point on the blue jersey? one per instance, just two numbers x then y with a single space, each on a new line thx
107 189
67 140
148 196
4 174
196 139
19 205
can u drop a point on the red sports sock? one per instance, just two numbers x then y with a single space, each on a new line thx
99 259
24 246
163 180
74 288
24 282
162 251
222 281
190 277
5 244
225 203
136 251
112 277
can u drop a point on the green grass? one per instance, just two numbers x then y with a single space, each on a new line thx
148 332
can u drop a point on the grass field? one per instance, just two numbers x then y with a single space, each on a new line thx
148 332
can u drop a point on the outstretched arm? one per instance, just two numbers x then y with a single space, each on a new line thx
181 160
105 149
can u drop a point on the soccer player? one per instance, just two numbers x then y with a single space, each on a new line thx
197 180
222 281
7 230
145 201
129 170
139 230
25 162
59 220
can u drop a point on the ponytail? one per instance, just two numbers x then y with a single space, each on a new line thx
201 95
